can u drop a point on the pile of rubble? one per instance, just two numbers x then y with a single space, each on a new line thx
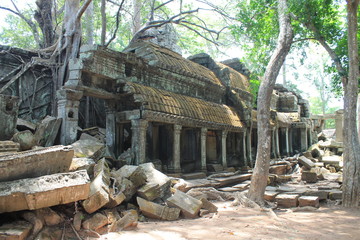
92 193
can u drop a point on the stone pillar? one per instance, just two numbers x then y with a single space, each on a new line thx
223 148
248 145
68 110
203 149
273 152
339 125
244 148
287 140
291 151
175 166
277 143
110 125
303 139
138 140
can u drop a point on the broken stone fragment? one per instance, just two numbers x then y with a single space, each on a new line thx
206 204
22 125
309 177
78 217
9 147
306 162
188 205
47 131
18 230
26 140
156 177
35 163
115 199
311 201
270 195
87 148
95 222
129 220
126 187
157 211
45 191
99 194
82 163
322 194
149 191
135 174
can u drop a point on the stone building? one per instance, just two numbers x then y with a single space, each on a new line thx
186 114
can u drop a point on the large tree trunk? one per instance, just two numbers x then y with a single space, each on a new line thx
137 16
351 183
43 15
261 170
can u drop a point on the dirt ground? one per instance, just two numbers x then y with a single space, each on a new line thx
327 222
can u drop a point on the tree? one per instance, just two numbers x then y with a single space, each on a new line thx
262 164
351 183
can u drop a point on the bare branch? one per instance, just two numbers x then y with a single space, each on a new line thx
198 33
304 39
117 24
163 4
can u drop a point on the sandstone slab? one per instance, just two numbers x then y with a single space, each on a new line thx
287 200
270 195
188 205
35 163
311 201
19 230
309 177
45 191
157 211
95 222
306 162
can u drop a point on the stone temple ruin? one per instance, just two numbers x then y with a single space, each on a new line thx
186 115
125 119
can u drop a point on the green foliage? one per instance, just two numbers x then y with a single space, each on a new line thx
18 33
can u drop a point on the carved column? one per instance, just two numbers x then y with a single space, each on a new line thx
110 125
138 140
68 110
291 151
287 140
175 166
273 152
203 149
244 148
303 139
223 148
277 142
249 150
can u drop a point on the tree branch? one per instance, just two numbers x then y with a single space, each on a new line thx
117 24
82 10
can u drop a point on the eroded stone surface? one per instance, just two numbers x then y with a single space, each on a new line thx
35 163
45 191
189 206
157 211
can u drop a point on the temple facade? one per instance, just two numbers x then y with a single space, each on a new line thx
186 115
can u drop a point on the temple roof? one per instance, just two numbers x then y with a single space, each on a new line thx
181 105
172 61
237 80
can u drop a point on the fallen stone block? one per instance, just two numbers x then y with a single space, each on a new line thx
270 195
99 194
47 131
36 222
157 211
95 222
311 201
287 200
232 179
82 163
126 187
8 147
45 191
22 125
26 140
149 191
87 148
306 162
35 163
335 195
112 215
196 175
206 204
334 160
18 230
323 195
156 177
242 186
115 199
215 167
282 178
309 177
278 169
188 205
129 220
138 177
